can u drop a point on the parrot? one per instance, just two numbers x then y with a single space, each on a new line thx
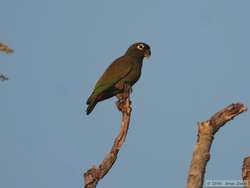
124 70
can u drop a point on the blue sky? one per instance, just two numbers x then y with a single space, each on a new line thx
199 64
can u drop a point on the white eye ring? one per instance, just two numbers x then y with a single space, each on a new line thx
140 46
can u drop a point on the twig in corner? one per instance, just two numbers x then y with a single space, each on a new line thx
5 48
3 78
246 171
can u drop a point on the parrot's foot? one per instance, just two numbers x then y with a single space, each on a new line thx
120 104
123 97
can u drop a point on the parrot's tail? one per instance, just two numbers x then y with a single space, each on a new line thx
91 107
89 99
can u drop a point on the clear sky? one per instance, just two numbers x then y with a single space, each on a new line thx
200 63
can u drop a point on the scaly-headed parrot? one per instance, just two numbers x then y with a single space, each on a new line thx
124 70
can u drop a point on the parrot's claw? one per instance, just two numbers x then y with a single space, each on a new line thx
120 104
123 97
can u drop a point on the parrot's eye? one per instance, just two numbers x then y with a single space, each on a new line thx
140 46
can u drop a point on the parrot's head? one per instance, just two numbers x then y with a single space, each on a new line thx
139 49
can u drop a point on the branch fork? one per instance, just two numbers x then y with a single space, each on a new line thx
206 133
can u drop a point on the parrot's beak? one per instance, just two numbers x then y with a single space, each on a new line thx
147 53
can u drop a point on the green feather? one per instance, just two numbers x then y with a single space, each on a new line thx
126 69
115 72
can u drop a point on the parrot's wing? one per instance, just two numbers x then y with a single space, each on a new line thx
119 69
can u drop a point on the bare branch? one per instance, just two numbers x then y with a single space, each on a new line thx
3 78
5 48
246 171
206 132
93 175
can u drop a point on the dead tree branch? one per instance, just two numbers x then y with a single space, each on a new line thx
206 132
93 175
5 48
246 171
3 78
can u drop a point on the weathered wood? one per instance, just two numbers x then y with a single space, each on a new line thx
246 171
3 78
206 132
5 48
93 175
